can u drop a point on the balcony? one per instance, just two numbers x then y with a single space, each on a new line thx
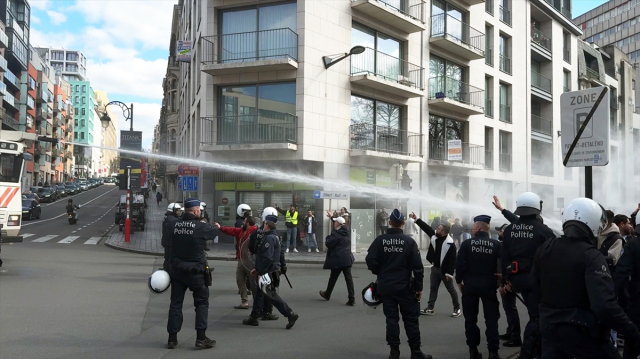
49 112
450 94
55 152
41 113
251 132
592 75
406 15
11 80
541 44
31 103
10 121
56 122
541 125
505 64
377 70
369 140
473 2
267 50
467 155
39 150
453 35
17 47
505 162
610 69
488 159
4 65
488 107
43 96
10 100
4 39
505 15
541 86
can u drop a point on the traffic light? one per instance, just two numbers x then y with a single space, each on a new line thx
406 181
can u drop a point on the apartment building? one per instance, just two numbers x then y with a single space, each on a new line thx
71 64
63 123
462 95
108 159
16 17
87 128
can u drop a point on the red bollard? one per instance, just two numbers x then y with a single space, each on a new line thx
127 230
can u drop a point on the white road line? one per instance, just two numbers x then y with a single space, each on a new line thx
93 240
27 235
73 231
45 238
69 239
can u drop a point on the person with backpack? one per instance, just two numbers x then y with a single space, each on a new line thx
158 198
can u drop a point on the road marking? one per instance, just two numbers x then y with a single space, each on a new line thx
69 239
27 235
93 240
45 238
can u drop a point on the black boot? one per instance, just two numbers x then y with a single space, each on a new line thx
474 353
172 343
395 352
506 336
513 343
494 355
251 321
202 341
292 320
269 316
416 353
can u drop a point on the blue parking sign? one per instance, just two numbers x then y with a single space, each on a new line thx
190 184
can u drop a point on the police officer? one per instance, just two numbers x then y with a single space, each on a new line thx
627 283
395 259
512 336
189 270
578 304
521 241
173 213
268 263
476 269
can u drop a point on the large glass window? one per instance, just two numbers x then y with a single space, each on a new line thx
505 151
446 19
382 57
441 131
375 125
447 78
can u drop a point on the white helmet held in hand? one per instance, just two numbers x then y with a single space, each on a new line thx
369 297
586 211
269 211
159 281
264 282
203 205
174 207
242 209
528 204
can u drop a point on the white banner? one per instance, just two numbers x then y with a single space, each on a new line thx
183 51
454 150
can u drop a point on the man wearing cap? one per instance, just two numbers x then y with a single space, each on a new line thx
189 270
395 259
476 270
339 258
508 295
174 211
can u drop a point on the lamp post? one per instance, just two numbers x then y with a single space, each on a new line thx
127 221
330 60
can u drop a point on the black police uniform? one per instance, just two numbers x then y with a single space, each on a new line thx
167 230
187 271
267 307
476 267
627 283
578 305
509 305
395 259
521 241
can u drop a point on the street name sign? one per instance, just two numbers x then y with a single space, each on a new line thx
330 195
585 127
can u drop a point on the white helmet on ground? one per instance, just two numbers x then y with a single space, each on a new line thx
242 209
586 211
269 211
159 281
528 204
174 207
264 282
369 296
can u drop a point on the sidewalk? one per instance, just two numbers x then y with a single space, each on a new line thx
148 242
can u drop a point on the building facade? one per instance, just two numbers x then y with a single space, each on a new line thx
87 129
71 64
109 159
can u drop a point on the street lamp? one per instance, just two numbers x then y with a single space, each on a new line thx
330 61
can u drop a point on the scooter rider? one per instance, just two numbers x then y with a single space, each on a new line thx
521 241
71 208
174 212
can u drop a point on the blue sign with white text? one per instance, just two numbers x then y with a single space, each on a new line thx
316 194
190 183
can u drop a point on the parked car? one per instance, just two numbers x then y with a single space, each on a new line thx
54 192
46 195
62 190
84 186
71 189
31 209
31 196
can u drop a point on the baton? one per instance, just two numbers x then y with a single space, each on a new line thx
287 278
520 298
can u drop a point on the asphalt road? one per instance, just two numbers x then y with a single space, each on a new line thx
92 302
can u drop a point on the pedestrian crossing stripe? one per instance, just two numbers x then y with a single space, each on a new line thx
27 235
66 240
69 239
45 238
93 240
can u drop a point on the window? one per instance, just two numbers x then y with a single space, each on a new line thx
441 131
32 83
488 147
75 99
505 151
72 56
488 7
84 88
488 52
566 44
383 56
84 111
82 123
84 100
82 135
488 96
505 54
505 11
376 125
541 158
505 102
76 122
75 135
566 81
447 79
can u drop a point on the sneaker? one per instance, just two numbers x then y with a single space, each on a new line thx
287 251
269 317
395 352
251 321
295 250
428 311
317 250
309 250
172 345
293 317
456 313
205 343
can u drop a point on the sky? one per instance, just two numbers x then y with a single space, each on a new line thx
582 6
126 43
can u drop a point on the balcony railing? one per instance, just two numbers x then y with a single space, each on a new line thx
505 113
446 87
31 103
566 13
412 8
4 65
388 67
488 107
488 56
541 39
250 46
8 75
566 55
447 25
488 6
505 162
471 154
541 125
541 82
505 15
488 159
4 39
505 64
8 98
49 112
593 74
10 121
367 136
250 129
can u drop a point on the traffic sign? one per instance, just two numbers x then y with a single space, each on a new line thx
190 184
585 127
330 195
188 170
180 183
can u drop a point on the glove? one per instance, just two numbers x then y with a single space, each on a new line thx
283 270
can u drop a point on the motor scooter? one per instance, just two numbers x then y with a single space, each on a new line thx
73 217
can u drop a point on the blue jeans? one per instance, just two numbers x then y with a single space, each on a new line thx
311 240
292 233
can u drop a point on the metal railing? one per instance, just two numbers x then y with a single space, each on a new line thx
488 56
566 13
488 159
446 87
388 67
488 107
31 103
541 39
593 74
541 82
252 129
4 65
610 69
49 112
449 26
505 113
488 6
505 64
41 113
505 162
10 121
4 39
541 125
367 136
8 98
250 46
8 75
613 100
505 15
471 154
566 55
412 8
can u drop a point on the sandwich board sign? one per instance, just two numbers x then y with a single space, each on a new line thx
585 127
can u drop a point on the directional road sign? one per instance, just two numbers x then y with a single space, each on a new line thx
180 183
585 127
330 195
190 183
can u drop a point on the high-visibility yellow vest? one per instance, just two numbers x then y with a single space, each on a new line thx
293 219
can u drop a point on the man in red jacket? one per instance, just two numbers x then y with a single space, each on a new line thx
242 271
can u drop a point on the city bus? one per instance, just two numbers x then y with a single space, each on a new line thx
12 169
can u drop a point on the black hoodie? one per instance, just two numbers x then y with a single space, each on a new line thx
339 249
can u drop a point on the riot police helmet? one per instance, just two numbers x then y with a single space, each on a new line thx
269 211
264 282
528 204
203 205
159 281
586 211
243 210
369 296
174 207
